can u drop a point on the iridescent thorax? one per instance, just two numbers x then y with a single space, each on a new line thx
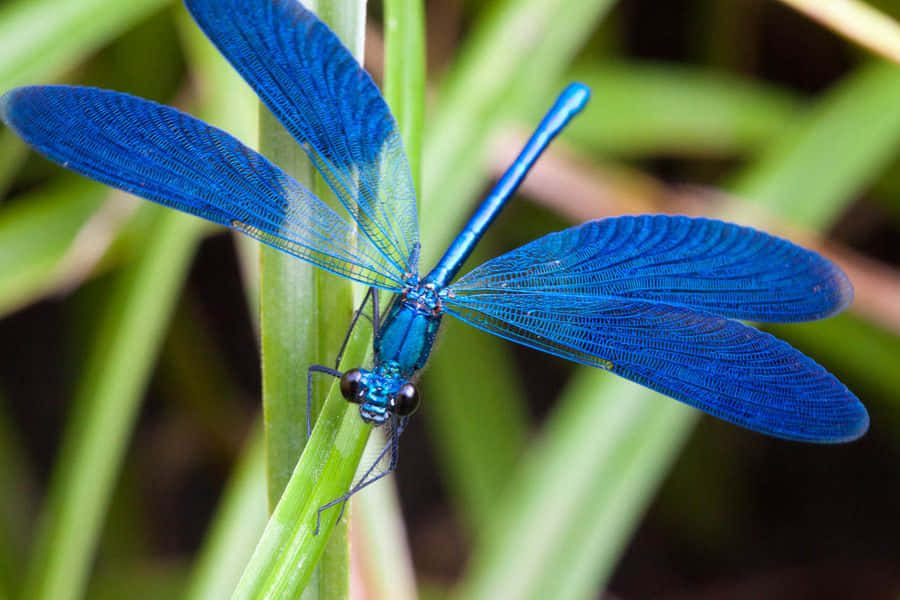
402 345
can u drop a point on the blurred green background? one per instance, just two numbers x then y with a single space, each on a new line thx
130 461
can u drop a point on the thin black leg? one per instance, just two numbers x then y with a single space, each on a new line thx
372 293
376 314
365 481
309 373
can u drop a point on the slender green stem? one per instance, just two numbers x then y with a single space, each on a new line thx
39 39
636 432
404 78
860 114
379 537
239 521
284 560
502 59
105 406
304 314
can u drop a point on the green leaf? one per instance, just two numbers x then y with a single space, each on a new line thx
106 401
38 231
40 39
510 55
808 174
383 558
583 534
644 108
515 46
565 517
282 564
296 333
238 523
404 77
17 495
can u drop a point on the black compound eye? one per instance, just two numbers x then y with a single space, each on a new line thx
351 384
406 401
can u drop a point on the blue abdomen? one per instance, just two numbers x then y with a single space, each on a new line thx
406 337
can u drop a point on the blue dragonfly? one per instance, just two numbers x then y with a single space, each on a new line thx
655 299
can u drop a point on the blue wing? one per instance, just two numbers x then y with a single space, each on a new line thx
720 366
707 265
171 158
315 87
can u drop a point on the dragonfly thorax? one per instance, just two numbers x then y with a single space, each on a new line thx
380 393
409 329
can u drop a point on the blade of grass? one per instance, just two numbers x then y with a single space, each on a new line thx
515 41
830 153
378 535
297 331
238 523
857 21
378 541
17 494
228 102
404 78
601 430
37 231
104 408
282 564
39 39
106 404
585 532
12 154
644 108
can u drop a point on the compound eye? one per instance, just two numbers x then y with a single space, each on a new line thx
351 385
406 401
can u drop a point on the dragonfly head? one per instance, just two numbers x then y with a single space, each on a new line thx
380 394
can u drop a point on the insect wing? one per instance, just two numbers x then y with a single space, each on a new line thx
329 104
169 157
698 263
720 366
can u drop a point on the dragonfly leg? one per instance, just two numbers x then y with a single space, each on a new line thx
368 479
373 294
335 372
309 374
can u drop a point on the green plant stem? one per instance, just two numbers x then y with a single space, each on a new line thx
829 153
304 314
516 46
640 108
104 408
239 521
404 78
37 232
283 562
378 535
39 39
585 532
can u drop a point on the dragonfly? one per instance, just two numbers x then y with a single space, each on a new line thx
655 299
